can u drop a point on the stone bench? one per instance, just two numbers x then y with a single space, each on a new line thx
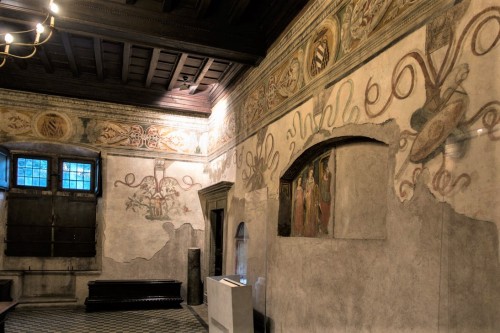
125 294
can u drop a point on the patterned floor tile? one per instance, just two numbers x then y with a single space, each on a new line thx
76 320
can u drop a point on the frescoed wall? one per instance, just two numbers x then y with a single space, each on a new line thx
398 103
362 155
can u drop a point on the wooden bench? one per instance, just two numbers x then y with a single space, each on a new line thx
5 308
121 294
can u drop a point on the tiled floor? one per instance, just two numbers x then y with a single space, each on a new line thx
76 320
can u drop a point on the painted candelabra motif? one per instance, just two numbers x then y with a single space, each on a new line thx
264 158
158 195
441 123
312 199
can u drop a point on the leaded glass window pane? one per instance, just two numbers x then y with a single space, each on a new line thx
76 176
32 172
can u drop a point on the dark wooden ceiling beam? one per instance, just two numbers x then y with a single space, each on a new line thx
44 58
202 8
194 86
127 51
181 60
69 53
144 27
155 55
238 7
168 5
21 63
98 58
107 91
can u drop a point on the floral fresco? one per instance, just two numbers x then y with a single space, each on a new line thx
157 196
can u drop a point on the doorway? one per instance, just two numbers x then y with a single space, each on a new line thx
217 223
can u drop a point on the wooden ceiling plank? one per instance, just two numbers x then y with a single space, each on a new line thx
202 8
152 66
69 53
193 87
44 58
167 5
237 9
178 69
139 25
127 51
98 58
226 79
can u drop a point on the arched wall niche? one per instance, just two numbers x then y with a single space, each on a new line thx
336 188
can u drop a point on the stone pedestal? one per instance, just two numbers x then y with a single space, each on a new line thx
194 288
230 307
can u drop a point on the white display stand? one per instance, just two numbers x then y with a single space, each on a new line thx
229 305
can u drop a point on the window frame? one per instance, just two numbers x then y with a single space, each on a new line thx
5 162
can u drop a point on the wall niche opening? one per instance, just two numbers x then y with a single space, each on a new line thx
336 189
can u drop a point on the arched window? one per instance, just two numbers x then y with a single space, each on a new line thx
241 239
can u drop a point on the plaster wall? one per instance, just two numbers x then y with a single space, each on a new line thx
435 267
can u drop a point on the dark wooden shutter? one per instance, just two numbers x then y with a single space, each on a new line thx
29 225
74 226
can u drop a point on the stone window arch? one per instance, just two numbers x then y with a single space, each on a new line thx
241 249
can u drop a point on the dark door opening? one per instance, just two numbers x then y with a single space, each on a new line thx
217 222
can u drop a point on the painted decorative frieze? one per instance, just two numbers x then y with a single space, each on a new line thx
139 136
349 33
65 125
363 17
53 125
45 125
14 122
322 48
285 81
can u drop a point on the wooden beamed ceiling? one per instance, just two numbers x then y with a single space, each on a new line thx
174 55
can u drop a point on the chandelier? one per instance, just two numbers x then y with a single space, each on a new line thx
18 38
